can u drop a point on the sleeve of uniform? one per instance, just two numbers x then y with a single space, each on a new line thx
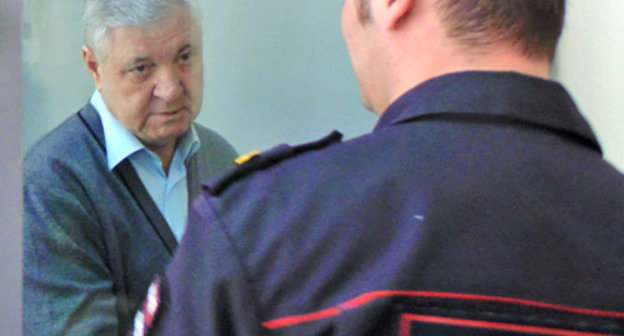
205 290
67 286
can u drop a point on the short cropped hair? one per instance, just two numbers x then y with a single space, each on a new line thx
534 26
99 16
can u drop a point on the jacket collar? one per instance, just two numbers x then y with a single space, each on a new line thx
497 94
94 125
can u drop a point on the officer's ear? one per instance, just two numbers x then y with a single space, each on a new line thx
393 12
93 65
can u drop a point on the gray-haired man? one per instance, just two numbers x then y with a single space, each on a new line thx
106 193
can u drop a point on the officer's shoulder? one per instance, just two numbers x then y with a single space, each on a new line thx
256 161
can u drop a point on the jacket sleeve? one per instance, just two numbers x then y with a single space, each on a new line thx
207 290
67 284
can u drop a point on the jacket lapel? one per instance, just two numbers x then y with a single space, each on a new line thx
131 180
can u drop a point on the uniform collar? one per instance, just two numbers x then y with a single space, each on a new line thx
120 143
531 99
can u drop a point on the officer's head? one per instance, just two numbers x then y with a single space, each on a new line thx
432 37
145 57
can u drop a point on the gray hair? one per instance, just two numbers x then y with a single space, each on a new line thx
99 16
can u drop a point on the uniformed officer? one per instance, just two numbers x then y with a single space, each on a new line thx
480 204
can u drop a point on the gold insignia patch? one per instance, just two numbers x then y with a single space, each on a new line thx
242 159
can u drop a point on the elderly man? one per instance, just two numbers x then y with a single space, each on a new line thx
479 205
107 192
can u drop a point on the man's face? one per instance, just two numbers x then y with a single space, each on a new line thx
152 78
355 21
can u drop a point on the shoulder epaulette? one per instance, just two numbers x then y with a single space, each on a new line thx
256 161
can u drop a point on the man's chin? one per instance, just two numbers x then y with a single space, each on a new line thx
163 139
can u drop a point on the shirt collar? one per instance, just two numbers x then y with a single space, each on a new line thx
121 143
522 97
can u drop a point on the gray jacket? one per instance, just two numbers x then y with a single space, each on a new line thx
93 238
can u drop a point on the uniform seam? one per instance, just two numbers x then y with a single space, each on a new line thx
239 256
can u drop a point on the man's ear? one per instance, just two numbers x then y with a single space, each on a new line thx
395 11
93 65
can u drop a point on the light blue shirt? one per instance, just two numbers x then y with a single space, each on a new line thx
169 192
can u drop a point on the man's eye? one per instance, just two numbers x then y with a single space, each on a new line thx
141 69
185 58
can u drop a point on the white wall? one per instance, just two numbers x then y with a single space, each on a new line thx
275 71
56 83
590 63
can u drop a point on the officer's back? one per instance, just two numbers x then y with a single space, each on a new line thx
479 205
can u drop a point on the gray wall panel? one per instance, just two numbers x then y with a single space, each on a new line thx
10 169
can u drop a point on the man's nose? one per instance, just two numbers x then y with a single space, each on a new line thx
169 86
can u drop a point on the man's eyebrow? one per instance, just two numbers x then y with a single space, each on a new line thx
141 59
184 48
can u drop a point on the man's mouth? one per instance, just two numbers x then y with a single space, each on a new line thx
173 111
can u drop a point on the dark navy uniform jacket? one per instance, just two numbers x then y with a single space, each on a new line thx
479 205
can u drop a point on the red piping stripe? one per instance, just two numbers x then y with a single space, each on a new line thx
407 320
300 319
367 298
